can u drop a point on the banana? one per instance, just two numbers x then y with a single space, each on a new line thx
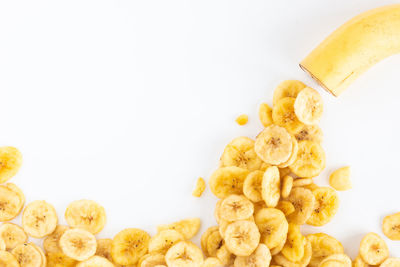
228 180
286 207
59 260
309 133
242 238
214 243
323 245
10 162
272 225
288 88
235 208
39 219
184 254
271 187
284 115
50 243
10 203
129 246
240 153
304 261
87 215
151 260
265 114
391 226
340 179
310 160
359 262
303 201
337 260
104 249
276 250
252 186
225 256
287 184
78 244
199 188
8 260
163 240
308 106
354 47
95 261
27 255
326 206
373 249
261 257
12 235
205 236
187 227
19 192
293 250
391 262
212 262
42 255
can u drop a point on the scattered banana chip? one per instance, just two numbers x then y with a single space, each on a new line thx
59 260
284 115
10 203
274 145
337 260
391 226
340 179
187 227
323 245
303 201
129 246
200 187
50 243
261 257
308 106
163 240
293 249
310 160
27 255
272 225
309 133
288 88
228 180
235 208
302 182
252 186
304 261
242 119
12 235
271 187
184 254
8 260
151 260
87 215
326 206
10 162
212 262
78 244
391 262
265 114
95 261
373 249
39 219
242 238
286 207
287 184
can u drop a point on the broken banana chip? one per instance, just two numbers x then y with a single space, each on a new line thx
325 208
252 186
308 106
240 153
265 114
10 163
184 254
242 238
310 160
212 262
284 115
271 187
78 244
104 248
187 227
288 88
340 179
12 235
39 219
261 257
205 236
373 249
214 243
228 180
391 226
242 119
200 187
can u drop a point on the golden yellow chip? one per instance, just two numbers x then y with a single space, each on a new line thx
359 262
50 243
200 187
373 249
261 257
287 184
163 240
187 227
323 245
286 207
59 260
78 244
225 256
309 133
10 163
303 201
308 106
8 260
284 115
302 182
235 208
271 187
242 238
340 179
151 260
228 180
12 235
27 255
39 219
304 261
252 186
326 206
391 262
265 114
293 155
214 243
272 225
95 261
391 226
212 262
293 249
339 259
242 119
104 248
10 203
205 236
184 254
288 88
310 160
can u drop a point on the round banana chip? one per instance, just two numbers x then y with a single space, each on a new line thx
287 184
205 236
240 153
326 206
214 243
129 246
212 262
151 260
59 260
391 262
274 145
261 257
391 226
278 248
286 207
309 133
288 88
39 219
310 160
8 260
323 245
228 180
87 215
10 204
293 250
242 238
235 208
340 179
163 240
308 106
293 155
78 244
12 235
184 254
19 192
95 261
271 187
340 259
359 262
225 256
27 255
272 225
187 227
304 261
303 201
10 162
252 186
2 244
373 249
265 114
50 243
284 115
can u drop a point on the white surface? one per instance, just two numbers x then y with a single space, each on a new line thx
128 102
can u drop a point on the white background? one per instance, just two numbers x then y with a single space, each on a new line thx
128 102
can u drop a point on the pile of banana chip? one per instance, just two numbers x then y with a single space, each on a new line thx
265 189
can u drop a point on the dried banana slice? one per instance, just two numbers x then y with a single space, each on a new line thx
184 254
19 192
187 227
326 206
272 225
274 145
309 133
293 249
373 249
310 160
42 255
276 250
228 180
163 240
242 119
87 215
337 260
59 260
205 236
288 88
50 243
10 203
311 186
284 115
12 235
391 226
323 245
212 262
293 155
302 182
340 179
271 187
304 261
151 260
200 187
27 255
391 262
242 238
78 244
265 114
287 184
129 246
8 260
214 243
10 162
104 248
39 219
261 257
359 262
95 261
225 256
252 186
303 201
309 106
235 208
240 153
286 207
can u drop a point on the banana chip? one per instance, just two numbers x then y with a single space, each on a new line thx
187 227
225 256
39 219
391 262
27 255
12 235
303 201
242 238
242 119
200 187
293 155
104 248
284 115
309 133
212 262
252 186
95 261
304 261
287 184
214 243
323 245
265 114
302 182
272 225
50 243
391 226
151 260
340 179
59 260
271 187
8 260
326 206
19 192
184 254
10 203
293 249
308 106
337 260
286 207
78 244
310 160
373 249
42 255
359 262
288 88
10 162
276 250
163 240
235 208
261 257
205 236
228 180
129 246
